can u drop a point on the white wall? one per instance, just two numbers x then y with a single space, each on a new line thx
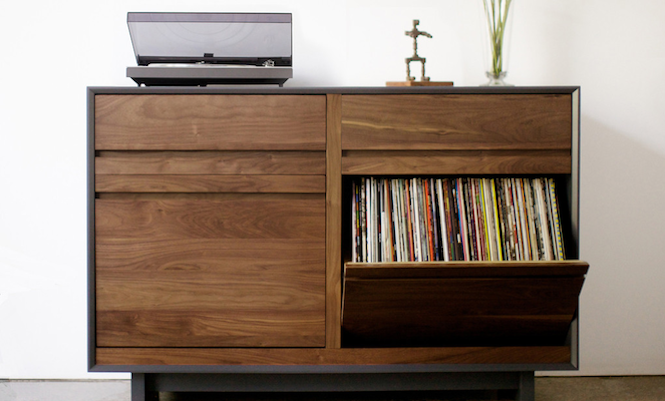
50 51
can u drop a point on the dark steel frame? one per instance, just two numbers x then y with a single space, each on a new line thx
148 379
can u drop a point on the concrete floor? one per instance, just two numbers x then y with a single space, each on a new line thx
633 388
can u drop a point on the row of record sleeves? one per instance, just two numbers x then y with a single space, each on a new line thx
455 219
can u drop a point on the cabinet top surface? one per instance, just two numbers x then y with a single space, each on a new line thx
273 90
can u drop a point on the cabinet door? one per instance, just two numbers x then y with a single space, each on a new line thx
456 122
233 270
210 220
456 134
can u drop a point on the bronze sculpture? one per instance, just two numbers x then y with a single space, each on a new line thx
414 33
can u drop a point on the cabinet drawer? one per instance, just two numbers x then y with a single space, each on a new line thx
227 271
210 122
456 122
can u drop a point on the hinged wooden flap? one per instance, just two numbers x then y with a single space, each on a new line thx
460 304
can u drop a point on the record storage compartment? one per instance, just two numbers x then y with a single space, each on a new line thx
460 303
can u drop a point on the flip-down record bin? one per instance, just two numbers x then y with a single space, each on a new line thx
435 304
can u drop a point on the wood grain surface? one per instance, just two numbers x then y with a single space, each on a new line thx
333 223
242 271
328 356
435 310
463 162
210 162
183 183
472 269
462 122
210 122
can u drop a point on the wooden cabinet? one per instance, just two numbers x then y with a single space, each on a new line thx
218 235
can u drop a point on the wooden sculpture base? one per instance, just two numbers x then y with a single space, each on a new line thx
419 83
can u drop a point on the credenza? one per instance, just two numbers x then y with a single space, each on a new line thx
219 240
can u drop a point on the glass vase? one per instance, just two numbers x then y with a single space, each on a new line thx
498 25
496 79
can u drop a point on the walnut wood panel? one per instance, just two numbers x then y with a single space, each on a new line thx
473 296
333 224
208 122
242 271
406 270
470 121
208 162
456 162
169 288
210 183
123 222
203 196
464 331
327 356
207 328
459 311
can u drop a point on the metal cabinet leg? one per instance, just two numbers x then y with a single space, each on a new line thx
141 390
138 387
527 389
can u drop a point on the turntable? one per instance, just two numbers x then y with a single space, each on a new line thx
200 49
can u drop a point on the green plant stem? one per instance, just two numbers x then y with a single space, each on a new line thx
497 16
